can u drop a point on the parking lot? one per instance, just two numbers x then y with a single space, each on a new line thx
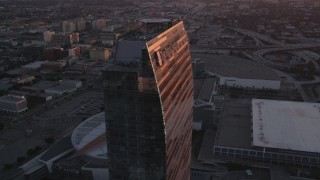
56 119
87 102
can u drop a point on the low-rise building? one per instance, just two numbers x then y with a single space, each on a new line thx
38 99
34 66
65 39
54 53
40 86
24 79
53 66
64 86
13 104
59 90
72 83
71 60
100 54
5 84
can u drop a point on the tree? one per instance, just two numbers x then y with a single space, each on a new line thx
15 87
37 148
49 140
20 159
8 166
31 152
1 126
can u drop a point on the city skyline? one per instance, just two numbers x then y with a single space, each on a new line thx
184 89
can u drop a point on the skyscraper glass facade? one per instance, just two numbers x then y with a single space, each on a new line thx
148 105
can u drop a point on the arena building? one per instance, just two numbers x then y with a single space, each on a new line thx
280 132
238 72
81 156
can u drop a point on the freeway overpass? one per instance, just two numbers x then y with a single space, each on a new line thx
258 55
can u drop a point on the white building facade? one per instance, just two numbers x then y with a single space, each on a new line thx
249 83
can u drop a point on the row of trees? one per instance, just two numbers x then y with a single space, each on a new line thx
20 159
304 71
30 152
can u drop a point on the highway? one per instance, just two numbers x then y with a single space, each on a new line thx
297 84
196 9
258 55
258 36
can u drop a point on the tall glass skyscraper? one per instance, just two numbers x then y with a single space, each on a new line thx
148 93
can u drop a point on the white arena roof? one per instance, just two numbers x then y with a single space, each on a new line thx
87 132
286 125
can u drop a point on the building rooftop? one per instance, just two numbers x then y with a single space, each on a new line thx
69 82
129 51
44 84
235 125
208 87
16 71
60 88
18 93
45 95
286 125
225 66
11 99
34 65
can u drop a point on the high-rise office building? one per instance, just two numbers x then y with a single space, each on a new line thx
68 26
74 25
80 24
148 95
99 24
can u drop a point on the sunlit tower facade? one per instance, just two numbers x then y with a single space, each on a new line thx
148 95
